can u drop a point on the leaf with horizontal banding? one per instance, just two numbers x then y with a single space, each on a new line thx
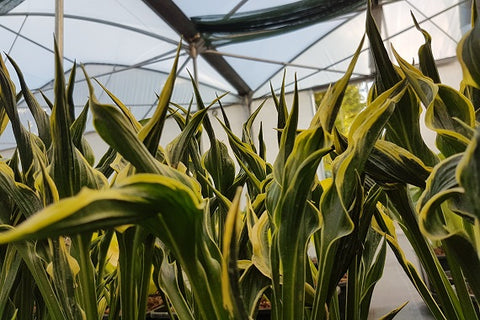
77 130
435 220
363 134
451 115
64 167
117 131
389 163
387 76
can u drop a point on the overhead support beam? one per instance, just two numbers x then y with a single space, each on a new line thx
172 15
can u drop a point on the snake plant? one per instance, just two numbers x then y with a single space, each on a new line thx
219 231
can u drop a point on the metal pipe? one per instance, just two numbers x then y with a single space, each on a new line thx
194 56
59 27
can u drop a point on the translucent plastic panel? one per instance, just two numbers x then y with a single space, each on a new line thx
208 76
308 78
130 13
432 7
36 64
7 140
8 27
449 24
319 78
11 24
253 72
407 43
276 81
93 42
40 30
336 46
93 71
284 47
35 6
143 111
165 64
135 86
362 67
206 7
183 94
257 74
397 18
308 81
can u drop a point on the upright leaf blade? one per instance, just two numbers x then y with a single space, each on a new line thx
425 55
63 163
230 277
8 102
466 53
41 118
151 132
403 126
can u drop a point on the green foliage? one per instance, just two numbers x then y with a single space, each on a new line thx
174 217
352 103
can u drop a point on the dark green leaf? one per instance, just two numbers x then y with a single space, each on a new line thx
222 168
468 173
389 163
41 118
425 54
8 102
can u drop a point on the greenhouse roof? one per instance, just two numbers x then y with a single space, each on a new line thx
239 46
